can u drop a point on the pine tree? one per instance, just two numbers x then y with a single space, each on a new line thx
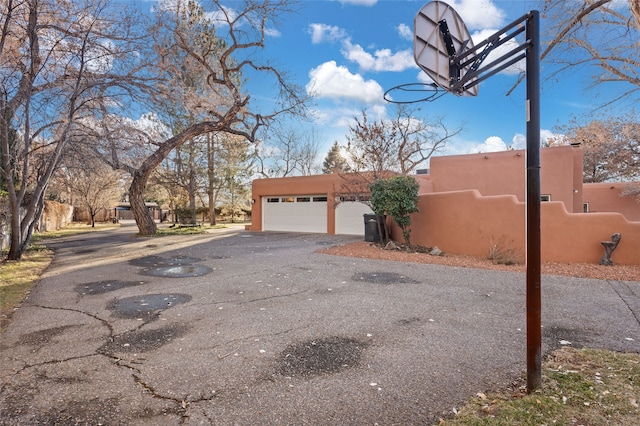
334 160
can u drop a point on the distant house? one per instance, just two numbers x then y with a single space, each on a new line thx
122 211
467 204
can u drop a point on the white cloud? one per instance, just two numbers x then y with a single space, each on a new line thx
325 33
491 144
424 78
546 136
272 32
479 14
222 16
380 60
405 31
516 68
329 80
519 141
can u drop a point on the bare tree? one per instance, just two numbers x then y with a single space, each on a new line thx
60 59
398 145
225 59
602 34
92 184
285 152
611 147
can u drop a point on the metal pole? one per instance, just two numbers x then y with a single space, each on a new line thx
534 303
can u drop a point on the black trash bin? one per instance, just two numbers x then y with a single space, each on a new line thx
371 232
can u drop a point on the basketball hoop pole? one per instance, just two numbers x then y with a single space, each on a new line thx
446 52
534 302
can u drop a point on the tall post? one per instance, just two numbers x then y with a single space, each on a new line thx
534 302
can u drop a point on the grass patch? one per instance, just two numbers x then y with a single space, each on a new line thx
580 387
186 230
73 228
17 278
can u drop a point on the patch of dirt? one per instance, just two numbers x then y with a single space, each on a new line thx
363 249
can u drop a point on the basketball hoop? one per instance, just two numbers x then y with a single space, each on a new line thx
440 37
402 92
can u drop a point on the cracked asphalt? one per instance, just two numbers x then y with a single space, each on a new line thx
242 328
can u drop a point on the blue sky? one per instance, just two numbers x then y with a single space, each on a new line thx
348 52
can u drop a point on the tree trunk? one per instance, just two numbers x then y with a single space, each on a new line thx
211 175
15 249
146 224
192 183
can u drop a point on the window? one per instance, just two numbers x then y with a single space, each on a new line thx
303 199
319 199
545 198
273 200
288 199
585 207
355 197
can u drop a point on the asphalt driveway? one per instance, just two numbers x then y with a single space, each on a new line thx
245 328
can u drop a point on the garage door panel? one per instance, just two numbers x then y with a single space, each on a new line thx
349 217
296 216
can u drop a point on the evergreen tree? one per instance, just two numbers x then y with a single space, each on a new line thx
334 160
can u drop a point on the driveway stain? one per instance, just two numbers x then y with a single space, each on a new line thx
137 341
173 267
321 356
158 261
146 306
181 271
45 336
101 287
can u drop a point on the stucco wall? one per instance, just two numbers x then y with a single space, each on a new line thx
605 197
499 173
465 222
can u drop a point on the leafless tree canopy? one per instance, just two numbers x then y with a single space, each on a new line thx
595 33
400 144
75 72
214 58
61 60
284 151
611 147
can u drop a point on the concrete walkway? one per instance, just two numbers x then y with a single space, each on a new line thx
248 328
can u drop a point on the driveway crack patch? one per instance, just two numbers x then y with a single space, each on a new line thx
103 321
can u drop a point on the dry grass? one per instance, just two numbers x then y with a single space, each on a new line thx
17 278
580 387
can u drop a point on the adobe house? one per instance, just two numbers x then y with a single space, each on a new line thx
469 203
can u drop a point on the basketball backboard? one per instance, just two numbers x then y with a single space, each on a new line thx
439 35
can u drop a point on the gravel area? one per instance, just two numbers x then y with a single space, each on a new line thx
581 270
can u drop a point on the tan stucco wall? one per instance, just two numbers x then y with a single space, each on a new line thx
605 197
499 173
465 222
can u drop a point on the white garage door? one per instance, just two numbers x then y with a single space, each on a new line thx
349 217
296 213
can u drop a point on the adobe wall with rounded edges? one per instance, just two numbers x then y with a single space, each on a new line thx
467 223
